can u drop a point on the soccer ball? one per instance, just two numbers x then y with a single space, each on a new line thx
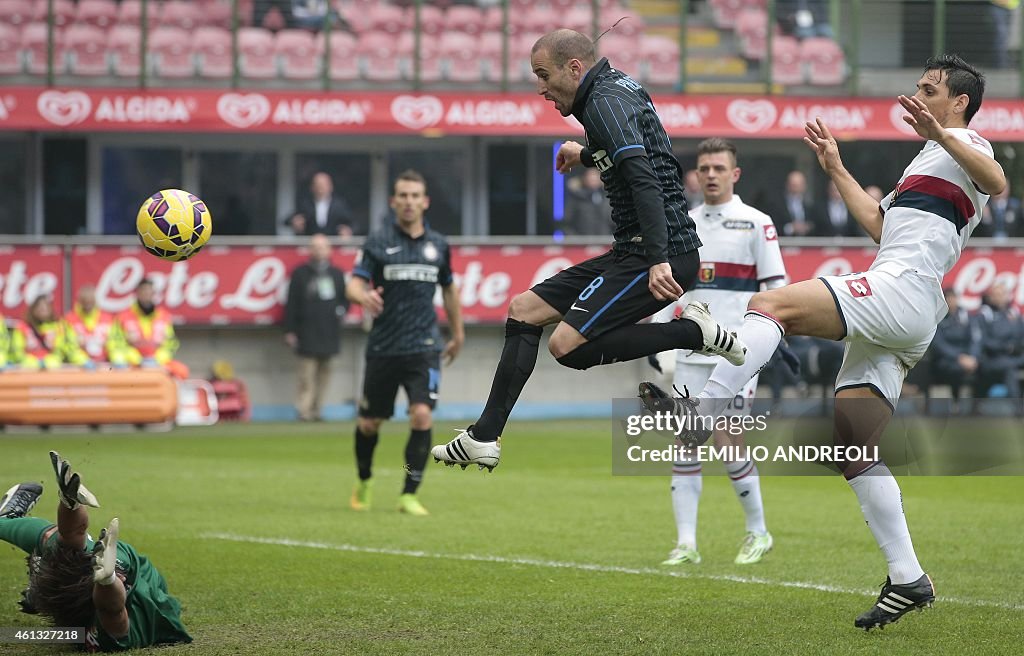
173 224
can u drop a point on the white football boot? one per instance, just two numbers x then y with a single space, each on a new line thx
466 451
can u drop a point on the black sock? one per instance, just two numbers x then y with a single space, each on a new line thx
518 357
365 444
416 451
632 342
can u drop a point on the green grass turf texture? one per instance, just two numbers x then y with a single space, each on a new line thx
552 499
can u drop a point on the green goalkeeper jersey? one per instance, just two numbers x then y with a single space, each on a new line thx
154 616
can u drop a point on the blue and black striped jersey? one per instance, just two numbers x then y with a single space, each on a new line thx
409 270
621 122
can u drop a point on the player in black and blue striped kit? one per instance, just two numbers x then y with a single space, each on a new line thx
598 303
394 279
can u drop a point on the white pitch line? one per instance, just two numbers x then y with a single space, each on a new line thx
587 567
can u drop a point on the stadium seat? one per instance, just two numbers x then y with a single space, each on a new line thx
824 60
623 52
660 56
387 18
752 30
578 18
344 61
130 13
217 13
10 50
63 12
460 18
462 55
16 12
256 53
181 13
123 43
87 50
379 52
213 52
430 60
540 20
34 45
171 52
724 12
298 53
432 19
787 67
98 13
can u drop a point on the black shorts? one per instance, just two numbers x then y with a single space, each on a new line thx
418 373
610 291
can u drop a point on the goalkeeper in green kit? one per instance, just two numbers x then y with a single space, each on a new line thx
105 586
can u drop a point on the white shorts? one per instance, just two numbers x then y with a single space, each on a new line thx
695 376
889 320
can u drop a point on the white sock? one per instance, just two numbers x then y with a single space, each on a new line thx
747 484
762 335
687 484
882 505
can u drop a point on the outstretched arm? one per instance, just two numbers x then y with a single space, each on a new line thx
864 209
108 591
72 518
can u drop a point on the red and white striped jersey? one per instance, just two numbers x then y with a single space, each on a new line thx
740 252
932 211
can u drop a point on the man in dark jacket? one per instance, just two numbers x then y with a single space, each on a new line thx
1002 339
315 307
321 211
956 346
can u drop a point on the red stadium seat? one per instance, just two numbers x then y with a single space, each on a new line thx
171 52
298 53
256 53
87 50
213 52
462 55
63 12
123 44
725 12
493 20
660 55
10 51
98 13
16 12
181 13
824 60
578 18
622 51
540 20
344 60
430 61
752 29
461 18
34 45
379 52
787 67
218 14
432 19
388 18
130 13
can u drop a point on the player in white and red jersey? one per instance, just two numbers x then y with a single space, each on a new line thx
886 315
740 255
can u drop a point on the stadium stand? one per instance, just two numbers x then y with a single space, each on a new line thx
10 50
87 52
213 52
123 41
298 54
170 53
256 53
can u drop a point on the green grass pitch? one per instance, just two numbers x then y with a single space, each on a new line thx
550 554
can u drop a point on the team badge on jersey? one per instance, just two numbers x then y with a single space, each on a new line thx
859 288
707 272
770 233
430 251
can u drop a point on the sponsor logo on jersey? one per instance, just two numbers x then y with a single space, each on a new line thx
707 272
859 287
413 272
602 161
733 224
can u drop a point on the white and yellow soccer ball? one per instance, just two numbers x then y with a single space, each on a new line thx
174 224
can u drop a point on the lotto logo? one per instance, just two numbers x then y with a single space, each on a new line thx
770 234
859 288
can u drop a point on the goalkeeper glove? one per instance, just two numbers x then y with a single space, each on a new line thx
71 492
104 555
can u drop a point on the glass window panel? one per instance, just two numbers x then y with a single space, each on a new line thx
506 188
443 170
130 175
64 184
350 173
241 191
12 191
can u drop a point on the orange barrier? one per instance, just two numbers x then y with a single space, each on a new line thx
47 398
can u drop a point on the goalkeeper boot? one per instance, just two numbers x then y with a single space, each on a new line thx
695 428
19 500
754 548
362 495
682 554
717 340
466 451
104 554
410 505
896 601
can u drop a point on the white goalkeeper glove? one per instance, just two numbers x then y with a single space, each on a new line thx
69 483
104 555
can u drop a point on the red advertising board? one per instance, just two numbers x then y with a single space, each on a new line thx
247 285
27 272
208 110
